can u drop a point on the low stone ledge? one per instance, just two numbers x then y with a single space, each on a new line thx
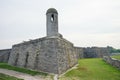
112 61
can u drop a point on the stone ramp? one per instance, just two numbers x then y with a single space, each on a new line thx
22 75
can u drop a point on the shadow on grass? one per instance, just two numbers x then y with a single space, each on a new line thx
23 70
7 77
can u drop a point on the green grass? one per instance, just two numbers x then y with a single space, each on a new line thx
92 69
23 70
7 77
116 57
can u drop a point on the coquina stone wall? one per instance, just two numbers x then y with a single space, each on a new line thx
48 54
91 52
4 55
112 61
79 52
67 56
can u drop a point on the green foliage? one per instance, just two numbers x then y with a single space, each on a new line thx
23 70
113 50
92 69
116 57
118 50
7 77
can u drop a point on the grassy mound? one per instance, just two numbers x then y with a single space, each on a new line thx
92 69
7 77
23 70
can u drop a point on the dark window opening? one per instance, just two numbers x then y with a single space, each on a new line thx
52 17
26 60
36 61
16 60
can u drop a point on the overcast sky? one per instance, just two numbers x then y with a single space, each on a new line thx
85 23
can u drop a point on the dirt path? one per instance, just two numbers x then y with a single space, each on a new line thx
22 75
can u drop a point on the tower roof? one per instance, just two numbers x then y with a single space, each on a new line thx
51 10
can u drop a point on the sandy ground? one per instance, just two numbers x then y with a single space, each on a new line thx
23 75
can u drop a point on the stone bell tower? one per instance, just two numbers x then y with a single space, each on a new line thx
52 53
52 22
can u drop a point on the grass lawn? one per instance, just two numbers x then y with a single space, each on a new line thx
6 77
23 70
116 57
92 69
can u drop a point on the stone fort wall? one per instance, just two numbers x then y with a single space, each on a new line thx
54 55
79 52
92 52
112 61
4 55
48 54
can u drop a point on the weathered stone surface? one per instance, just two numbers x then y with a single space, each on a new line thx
79 52
52 22
4 55
112 61
54 55
92 52
67 57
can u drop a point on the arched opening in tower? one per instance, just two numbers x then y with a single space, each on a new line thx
52 17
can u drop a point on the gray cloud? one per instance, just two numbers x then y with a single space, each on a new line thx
83 22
